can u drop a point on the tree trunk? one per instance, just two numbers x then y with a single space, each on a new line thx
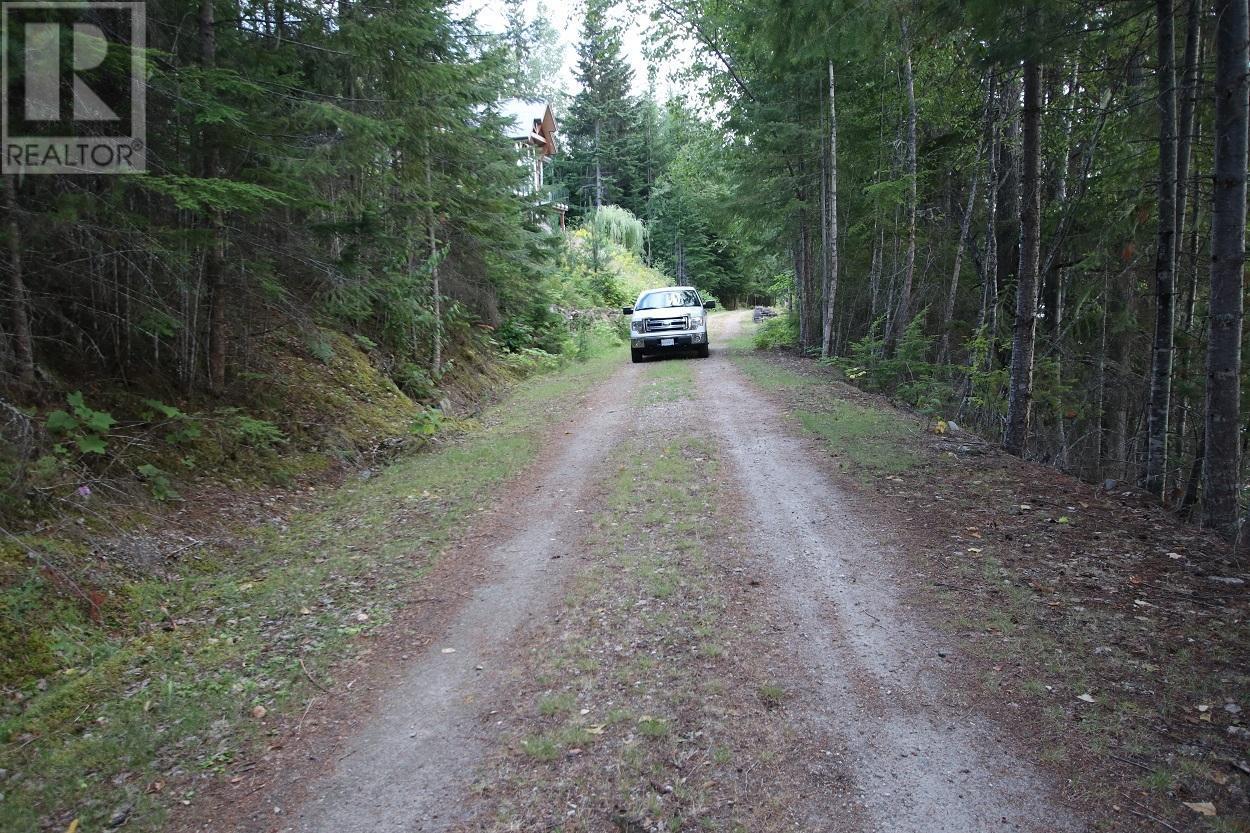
811 312
1190 498
989 297
965 224
952 291
436 347
1100 387
23 344
1188 106
1187 137
598 171
1228 243
1009 208
831 256
902 316
214 256
1160 406
1020 394
1120 400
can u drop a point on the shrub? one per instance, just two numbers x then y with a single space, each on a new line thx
258 433
427 423
320 348
87 428
415 381
782 331
907 374
183 427
158 482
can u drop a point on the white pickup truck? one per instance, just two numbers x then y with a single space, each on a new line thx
667 319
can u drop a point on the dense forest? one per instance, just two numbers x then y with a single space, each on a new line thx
328 183
1027 219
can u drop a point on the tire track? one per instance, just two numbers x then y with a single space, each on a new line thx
410 767
922 764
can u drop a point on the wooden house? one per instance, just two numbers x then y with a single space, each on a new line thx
532 126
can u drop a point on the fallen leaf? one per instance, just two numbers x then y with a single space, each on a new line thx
1086 698
1202 808
259 711
597 730
73 827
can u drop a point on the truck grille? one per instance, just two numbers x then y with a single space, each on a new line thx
665 325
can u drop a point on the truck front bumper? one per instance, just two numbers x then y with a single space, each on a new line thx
667 341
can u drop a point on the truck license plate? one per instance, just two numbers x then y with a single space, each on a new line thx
667 342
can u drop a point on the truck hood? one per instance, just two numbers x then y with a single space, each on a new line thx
666 312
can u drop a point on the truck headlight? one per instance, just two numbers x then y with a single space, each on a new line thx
636 326
696 322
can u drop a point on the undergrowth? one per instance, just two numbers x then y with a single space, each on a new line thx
117 691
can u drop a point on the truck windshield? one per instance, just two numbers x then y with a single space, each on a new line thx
669 298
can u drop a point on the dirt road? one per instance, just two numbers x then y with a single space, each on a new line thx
824 648
922 760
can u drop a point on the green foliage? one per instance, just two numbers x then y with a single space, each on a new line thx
908 375
364 342
415 381
320 348
621 275
779 332
592 336
618 225
257 433
184 428
428 422
86 427
606 144
158 482
987 384
540 328
530 360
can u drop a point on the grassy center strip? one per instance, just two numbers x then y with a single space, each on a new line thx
660 698
236 639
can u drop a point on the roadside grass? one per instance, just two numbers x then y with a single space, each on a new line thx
768 374
664 734
228 640
870 440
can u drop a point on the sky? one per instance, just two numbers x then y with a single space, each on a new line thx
566 17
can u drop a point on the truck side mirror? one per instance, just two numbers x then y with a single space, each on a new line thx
627 310
709 304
